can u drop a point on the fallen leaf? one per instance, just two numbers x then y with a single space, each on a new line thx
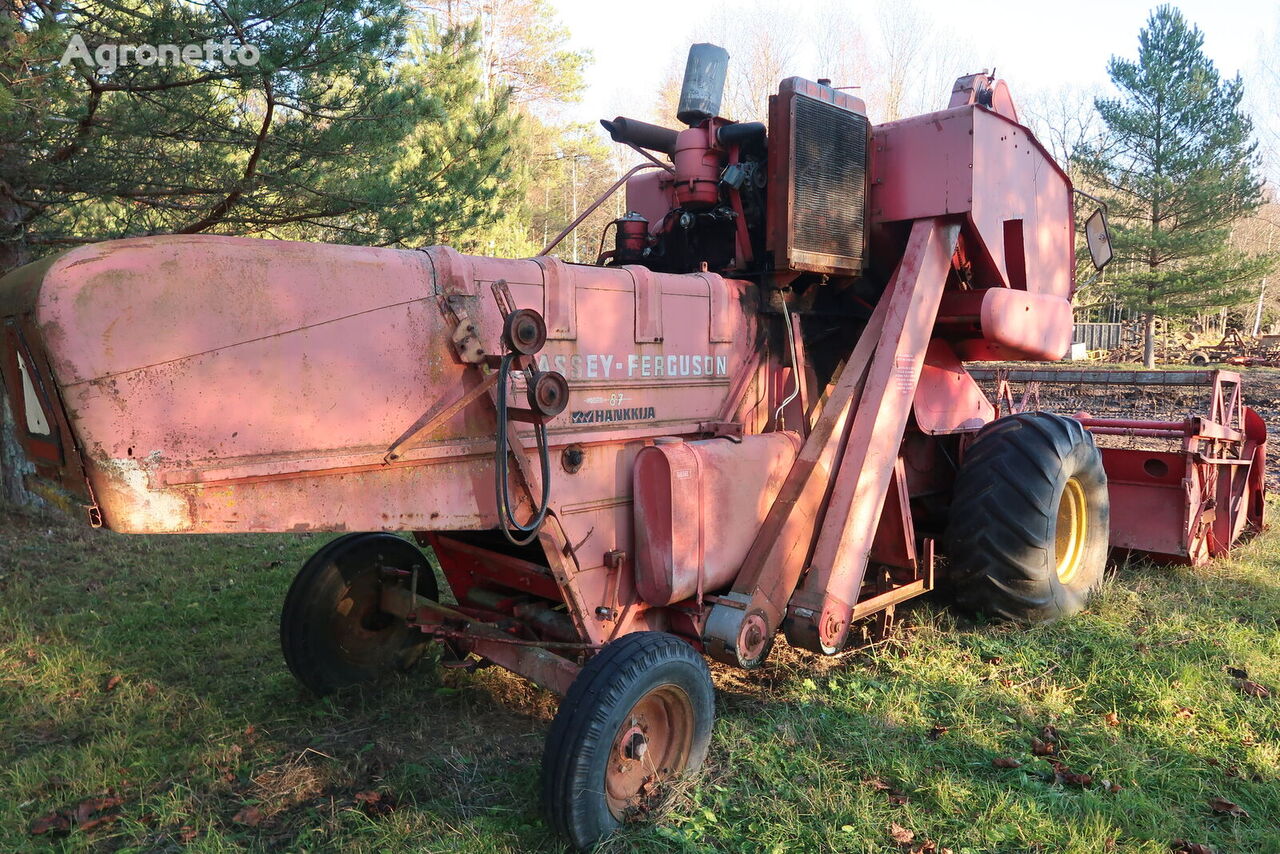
1108 786
1225 807
250 816
1232 771
1063 774
249 730
877 783
54 822
937 732
897 799
85 809
97 822
1073 779
1184 712
376 803
1238 672
1006 683
1111 719
1180 847
1142 649
900 834
993 659
929 847
1042 748
186 833
112 683
1006 762
1253 689
1050 733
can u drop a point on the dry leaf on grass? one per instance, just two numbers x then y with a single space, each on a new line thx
1111 719
1042 748
937 732
1063 774
900 834
86 815
250 816
54 822
1226 807
1108 786
1180 847
1252 689
112 683
87 809
1184 712
1006 762
376 803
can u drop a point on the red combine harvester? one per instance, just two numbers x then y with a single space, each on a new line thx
751 415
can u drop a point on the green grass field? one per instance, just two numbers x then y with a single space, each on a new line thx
145 672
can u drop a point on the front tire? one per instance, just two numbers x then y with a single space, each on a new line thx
638 715
1030 519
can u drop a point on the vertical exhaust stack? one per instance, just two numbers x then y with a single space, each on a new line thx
703 87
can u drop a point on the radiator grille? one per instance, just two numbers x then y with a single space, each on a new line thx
829 177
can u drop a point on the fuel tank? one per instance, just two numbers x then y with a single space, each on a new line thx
698 506
203 383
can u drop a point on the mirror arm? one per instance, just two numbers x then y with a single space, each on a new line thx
1099 202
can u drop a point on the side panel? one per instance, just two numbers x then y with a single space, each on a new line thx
224 384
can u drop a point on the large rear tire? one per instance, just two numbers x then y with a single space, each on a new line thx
332 630
638 716
1030 520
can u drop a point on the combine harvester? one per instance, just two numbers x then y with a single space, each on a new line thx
750 416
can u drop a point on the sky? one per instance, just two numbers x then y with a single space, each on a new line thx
1033 45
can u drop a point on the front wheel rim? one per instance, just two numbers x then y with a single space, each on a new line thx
1070 531
652 745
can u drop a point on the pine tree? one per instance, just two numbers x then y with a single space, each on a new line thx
1177 167
344 129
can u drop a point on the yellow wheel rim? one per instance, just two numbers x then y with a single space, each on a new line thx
1069 533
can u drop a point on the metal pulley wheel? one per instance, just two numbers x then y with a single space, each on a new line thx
548 394
524 331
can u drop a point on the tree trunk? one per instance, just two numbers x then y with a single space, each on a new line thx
13 462
14 466
1149 340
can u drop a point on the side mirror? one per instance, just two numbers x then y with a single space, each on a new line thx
1098 237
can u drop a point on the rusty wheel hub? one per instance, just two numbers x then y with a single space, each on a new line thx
363 633
651 746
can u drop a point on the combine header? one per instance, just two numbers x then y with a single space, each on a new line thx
751 416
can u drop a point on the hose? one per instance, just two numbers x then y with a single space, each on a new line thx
506 519
795 369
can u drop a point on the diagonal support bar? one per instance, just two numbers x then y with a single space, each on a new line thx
773 565
820 613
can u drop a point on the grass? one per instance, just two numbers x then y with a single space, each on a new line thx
210 745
